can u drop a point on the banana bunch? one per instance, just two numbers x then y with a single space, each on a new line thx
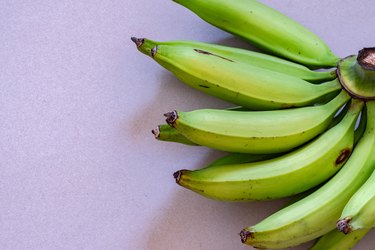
305 124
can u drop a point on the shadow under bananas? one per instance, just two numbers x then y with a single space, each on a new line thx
191 221
178 95
236 42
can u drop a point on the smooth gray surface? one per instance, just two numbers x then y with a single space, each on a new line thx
79 167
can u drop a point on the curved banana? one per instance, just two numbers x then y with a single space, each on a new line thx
237 82
248 57
317 214
359 212
335 240
164 132
279 177
256 132
266 28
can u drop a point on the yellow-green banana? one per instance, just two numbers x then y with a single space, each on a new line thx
279 177
164 132
266 28
257 132
359 212
335 240
237 82
317 214
248 57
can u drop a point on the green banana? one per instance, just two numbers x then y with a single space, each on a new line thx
164 132
316 214
359 212
279 177
256 132
237 82
335 240
248 57
266 28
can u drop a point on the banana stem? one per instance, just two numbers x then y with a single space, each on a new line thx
366 59
357 74
365 66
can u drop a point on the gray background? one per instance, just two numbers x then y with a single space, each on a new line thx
79 167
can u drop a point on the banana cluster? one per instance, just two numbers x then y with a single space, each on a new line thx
296 129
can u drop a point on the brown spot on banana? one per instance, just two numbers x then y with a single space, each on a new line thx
154 50
345 153
204 86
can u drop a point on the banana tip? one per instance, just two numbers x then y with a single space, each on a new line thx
245 234
344 226
156 131
171 117
177 176
138 41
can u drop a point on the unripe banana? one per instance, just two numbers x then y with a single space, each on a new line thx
279 177
237 82
359 213
250 58
256 132
266 28
164 132
335 240
317 214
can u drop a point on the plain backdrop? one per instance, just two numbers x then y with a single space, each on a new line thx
79 166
